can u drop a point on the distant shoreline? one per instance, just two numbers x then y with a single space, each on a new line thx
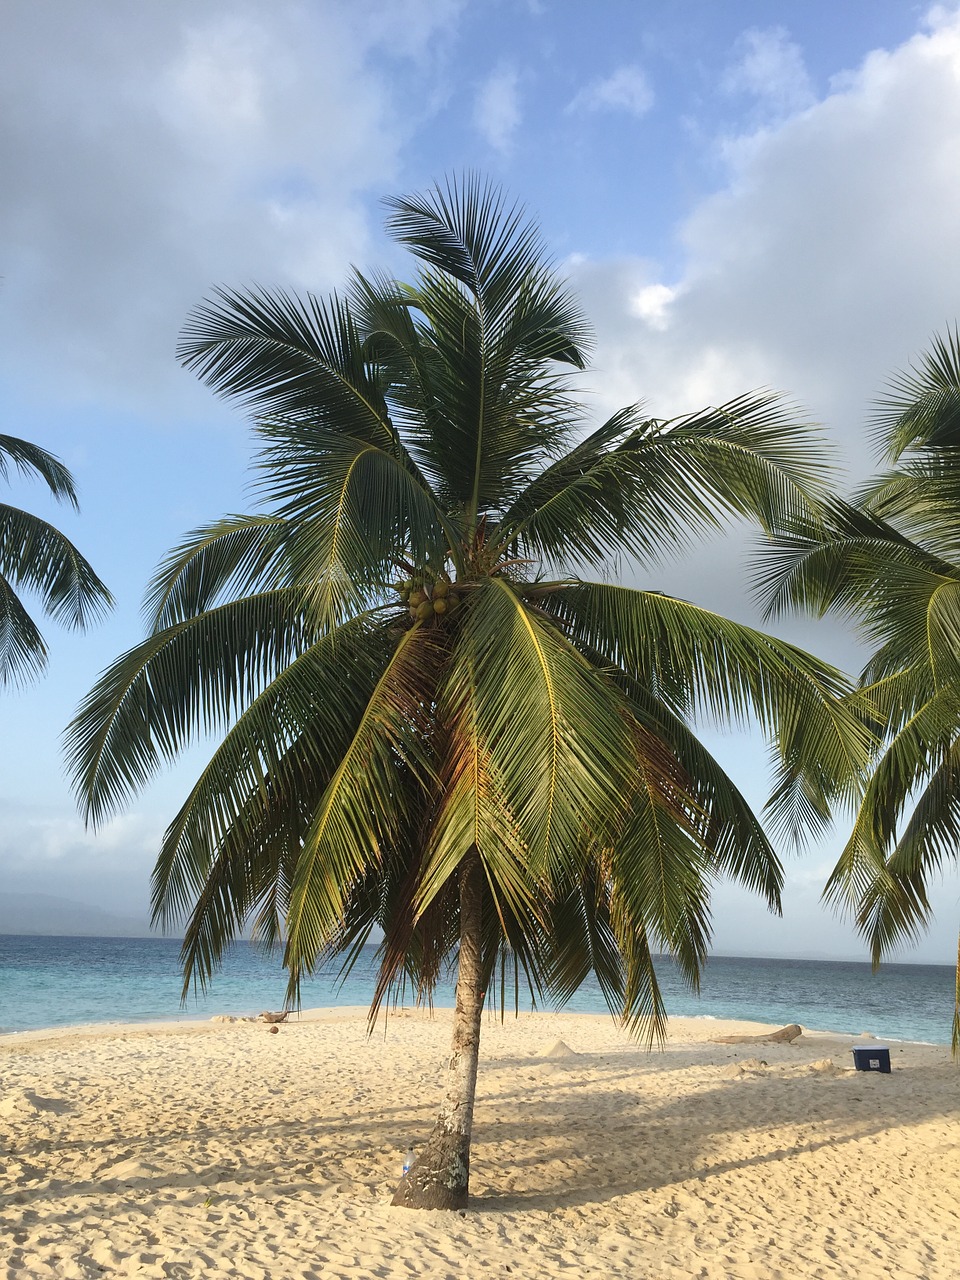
49 981
810 958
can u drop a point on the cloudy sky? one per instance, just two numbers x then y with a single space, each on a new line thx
757 193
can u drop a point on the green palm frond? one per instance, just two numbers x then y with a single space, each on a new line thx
29 459
550 725
472 811
699 663
646 488
658 867
291 357
232 556
919 500
502 414
353 511
186 679
23 653
729 831
921 408
584 496
276 756
857 565
497 318
360 810
240 882
35 555
889 894
469 233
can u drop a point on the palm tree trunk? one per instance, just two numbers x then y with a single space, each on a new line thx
439 1177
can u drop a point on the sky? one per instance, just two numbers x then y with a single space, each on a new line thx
759 193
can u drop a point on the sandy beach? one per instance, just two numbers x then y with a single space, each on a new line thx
218 1149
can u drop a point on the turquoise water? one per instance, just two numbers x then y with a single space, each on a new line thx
51 982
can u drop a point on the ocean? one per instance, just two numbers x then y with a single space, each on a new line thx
56 982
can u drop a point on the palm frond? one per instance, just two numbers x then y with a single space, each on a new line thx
468 232
287 357
550 727
30 459
277 757
645 488
189 678
854 564
23 653
35 555
494 319
731 836
361 810
353 512
921 408
232 556
702 664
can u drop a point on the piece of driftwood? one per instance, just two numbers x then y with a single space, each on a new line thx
784 1036
266 1016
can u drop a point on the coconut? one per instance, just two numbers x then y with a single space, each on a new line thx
440 606
424 611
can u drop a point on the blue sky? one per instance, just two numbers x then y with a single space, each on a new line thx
744 194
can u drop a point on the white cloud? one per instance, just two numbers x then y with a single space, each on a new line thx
824 266
496 112
151 151
626 89
652 303
770 67
55 840
215 87
42 851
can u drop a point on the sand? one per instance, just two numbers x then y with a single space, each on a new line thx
219 1149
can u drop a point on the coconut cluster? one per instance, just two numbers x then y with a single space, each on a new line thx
428 598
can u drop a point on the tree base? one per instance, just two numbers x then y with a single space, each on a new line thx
439 1177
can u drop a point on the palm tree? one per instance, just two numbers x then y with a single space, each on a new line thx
890 561
430 726
36 556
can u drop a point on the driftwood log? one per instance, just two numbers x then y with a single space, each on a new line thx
266 1016
786 1035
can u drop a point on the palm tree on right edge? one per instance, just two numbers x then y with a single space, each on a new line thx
430 726
890 562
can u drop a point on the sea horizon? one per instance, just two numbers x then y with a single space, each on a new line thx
54 981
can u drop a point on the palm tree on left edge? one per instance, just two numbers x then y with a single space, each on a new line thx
36 556
430 726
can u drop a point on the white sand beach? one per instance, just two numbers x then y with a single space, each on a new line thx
218 1149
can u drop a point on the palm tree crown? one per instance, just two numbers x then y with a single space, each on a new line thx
429 726
36 556
890 561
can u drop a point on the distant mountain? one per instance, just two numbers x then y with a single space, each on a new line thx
40 913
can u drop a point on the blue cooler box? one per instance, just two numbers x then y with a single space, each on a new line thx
872 1058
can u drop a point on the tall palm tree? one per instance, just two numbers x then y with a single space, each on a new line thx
431 726
890 561
36 556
